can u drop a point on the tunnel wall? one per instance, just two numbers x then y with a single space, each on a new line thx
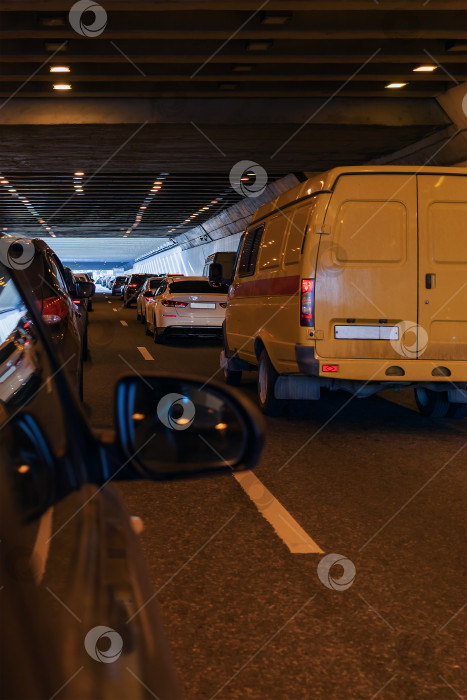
186 262
224 229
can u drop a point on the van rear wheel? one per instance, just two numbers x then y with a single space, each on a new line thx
267 377
432 404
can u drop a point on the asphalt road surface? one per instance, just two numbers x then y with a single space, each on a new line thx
370 480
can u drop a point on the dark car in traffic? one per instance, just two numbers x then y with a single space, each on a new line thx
78 609
133 287
118 285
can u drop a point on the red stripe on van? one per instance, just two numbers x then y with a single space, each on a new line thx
275 286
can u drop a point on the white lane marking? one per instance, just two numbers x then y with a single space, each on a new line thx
109 302
146 354
124 323
285 526
114 309
41 548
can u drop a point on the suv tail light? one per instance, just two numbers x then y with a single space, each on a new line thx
132 285
307 303
53 309
170 302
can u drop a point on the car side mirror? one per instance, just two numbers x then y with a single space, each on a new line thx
84 290
172 427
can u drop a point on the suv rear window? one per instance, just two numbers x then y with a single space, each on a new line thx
139 279
119 279
155 283
196 287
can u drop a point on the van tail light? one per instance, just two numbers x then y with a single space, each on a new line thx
223 304
170 302
307 303
53 309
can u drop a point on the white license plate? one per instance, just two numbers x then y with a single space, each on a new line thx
366 332
198 305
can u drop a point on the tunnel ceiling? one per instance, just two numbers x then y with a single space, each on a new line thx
181 91
306 48
111 204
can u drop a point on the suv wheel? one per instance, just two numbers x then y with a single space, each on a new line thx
267 377
432 404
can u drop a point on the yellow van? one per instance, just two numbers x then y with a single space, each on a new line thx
356 279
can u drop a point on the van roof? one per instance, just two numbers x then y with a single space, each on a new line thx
326 181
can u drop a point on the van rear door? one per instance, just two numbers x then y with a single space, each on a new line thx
367 272
442 202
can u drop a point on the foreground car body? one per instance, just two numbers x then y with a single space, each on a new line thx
73 576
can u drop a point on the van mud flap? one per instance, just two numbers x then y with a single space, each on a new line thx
306 361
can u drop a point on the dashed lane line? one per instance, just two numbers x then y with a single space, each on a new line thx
124 323
285 526
145 353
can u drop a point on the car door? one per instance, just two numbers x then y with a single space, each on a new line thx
154 303
71 563
442 225
367 276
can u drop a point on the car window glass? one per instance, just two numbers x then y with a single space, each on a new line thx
196 287
161 289
57 273
250 251
31 424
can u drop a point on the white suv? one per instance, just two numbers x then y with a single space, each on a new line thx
186 306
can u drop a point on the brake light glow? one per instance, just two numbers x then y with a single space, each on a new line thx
53 309
330 368
307 303
132 285
177 304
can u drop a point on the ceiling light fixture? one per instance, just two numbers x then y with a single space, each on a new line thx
395 85
79 173
62 86
424 69
59 69
56 46
256 45
275 18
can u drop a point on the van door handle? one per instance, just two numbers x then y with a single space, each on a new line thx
430 280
